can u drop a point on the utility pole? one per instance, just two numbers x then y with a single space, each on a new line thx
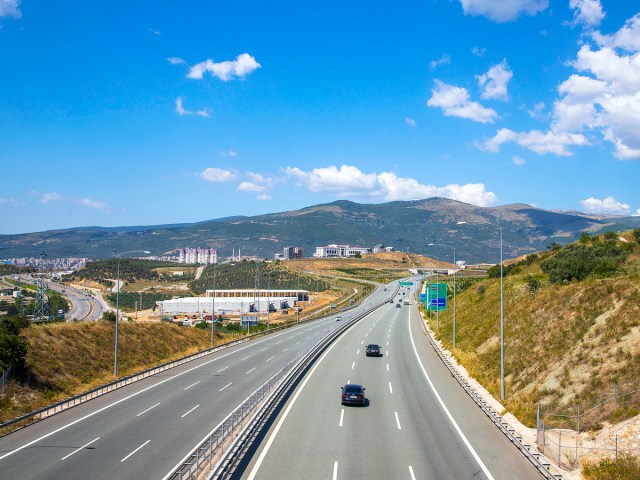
40 307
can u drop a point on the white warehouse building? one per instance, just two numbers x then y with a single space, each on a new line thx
335 250
234 302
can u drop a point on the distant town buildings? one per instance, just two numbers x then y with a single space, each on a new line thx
202 256
293 252
56 264
342 251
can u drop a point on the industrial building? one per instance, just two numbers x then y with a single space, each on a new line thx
202 256
234 302
334 250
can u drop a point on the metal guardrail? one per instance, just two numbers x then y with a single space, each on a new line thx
212 454
530 453
109 387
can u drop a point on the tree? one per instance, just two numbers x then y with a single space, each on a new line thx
584 238
109 316
636 235
13 349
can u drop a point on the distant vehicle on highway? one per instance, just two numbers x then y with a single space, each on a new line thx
352 394
338 318
398 305
373 350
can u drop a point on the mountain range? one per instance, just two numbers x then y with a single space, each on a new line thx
404 225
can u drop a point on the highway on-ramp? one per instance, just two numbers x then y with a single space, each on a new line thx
417 424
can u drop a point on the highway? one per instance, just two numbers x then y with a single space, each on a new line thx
417 424
143 430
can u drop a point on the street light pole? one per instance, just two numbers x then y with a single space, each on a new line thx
268 297
499 227
115 356
454 286
213 305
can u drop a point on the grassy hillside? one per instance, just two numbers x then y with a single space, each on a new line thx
64 359
567 341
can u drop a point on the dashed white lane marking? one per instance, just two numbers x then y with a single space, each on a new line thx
250 370
335 470
192 385
285 349
387 344
297 343
278 343
270 358
398 421
387 367
145 411
125 458
353 365
82 447
358 352
191 410
362 342
341 418
228 384
413 477
222 369
245 357
265 348
390 389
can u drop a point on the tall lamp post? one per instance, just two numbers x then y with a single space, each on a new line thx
501 306
454 286
213 305
115 356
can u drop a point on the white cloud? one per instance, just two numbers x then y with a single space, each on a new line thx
628 37
587 12
518 160
637 214
606 205
243 65
350 182
93 203
494 82
218 175
503 10
455 102
250 187
537 141
152 30
536 111
264 197
444 59
12 202
48 197
182 111
10 8
175 61
230 153
479 51
410 121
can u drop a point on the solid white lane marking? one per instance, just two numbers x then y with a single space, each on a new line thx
446 410
145 411
353 365
135 451
192 385
285 349
398 421
82 447
245 357
228 384
335 470
267 446
413 477
270 358
390 389
222 369
190 411
341 418
250 370
387 367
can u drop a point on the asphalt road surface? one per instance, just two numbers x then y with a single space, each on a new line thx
417 423
143 430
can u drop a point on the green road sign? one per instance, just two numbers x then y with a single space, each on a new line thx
406 284
436 296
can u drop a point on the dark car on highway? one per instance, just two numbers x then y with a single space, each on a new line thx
352 394
398 305
373 350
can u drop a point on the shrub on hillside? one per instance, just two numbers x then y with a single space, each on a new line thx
636 234
625 467
577 261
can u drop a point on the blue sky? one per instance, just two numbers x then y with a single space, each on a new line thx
142 113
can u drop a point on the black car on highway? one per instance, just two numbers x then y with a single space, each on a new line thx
373 350
352 394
